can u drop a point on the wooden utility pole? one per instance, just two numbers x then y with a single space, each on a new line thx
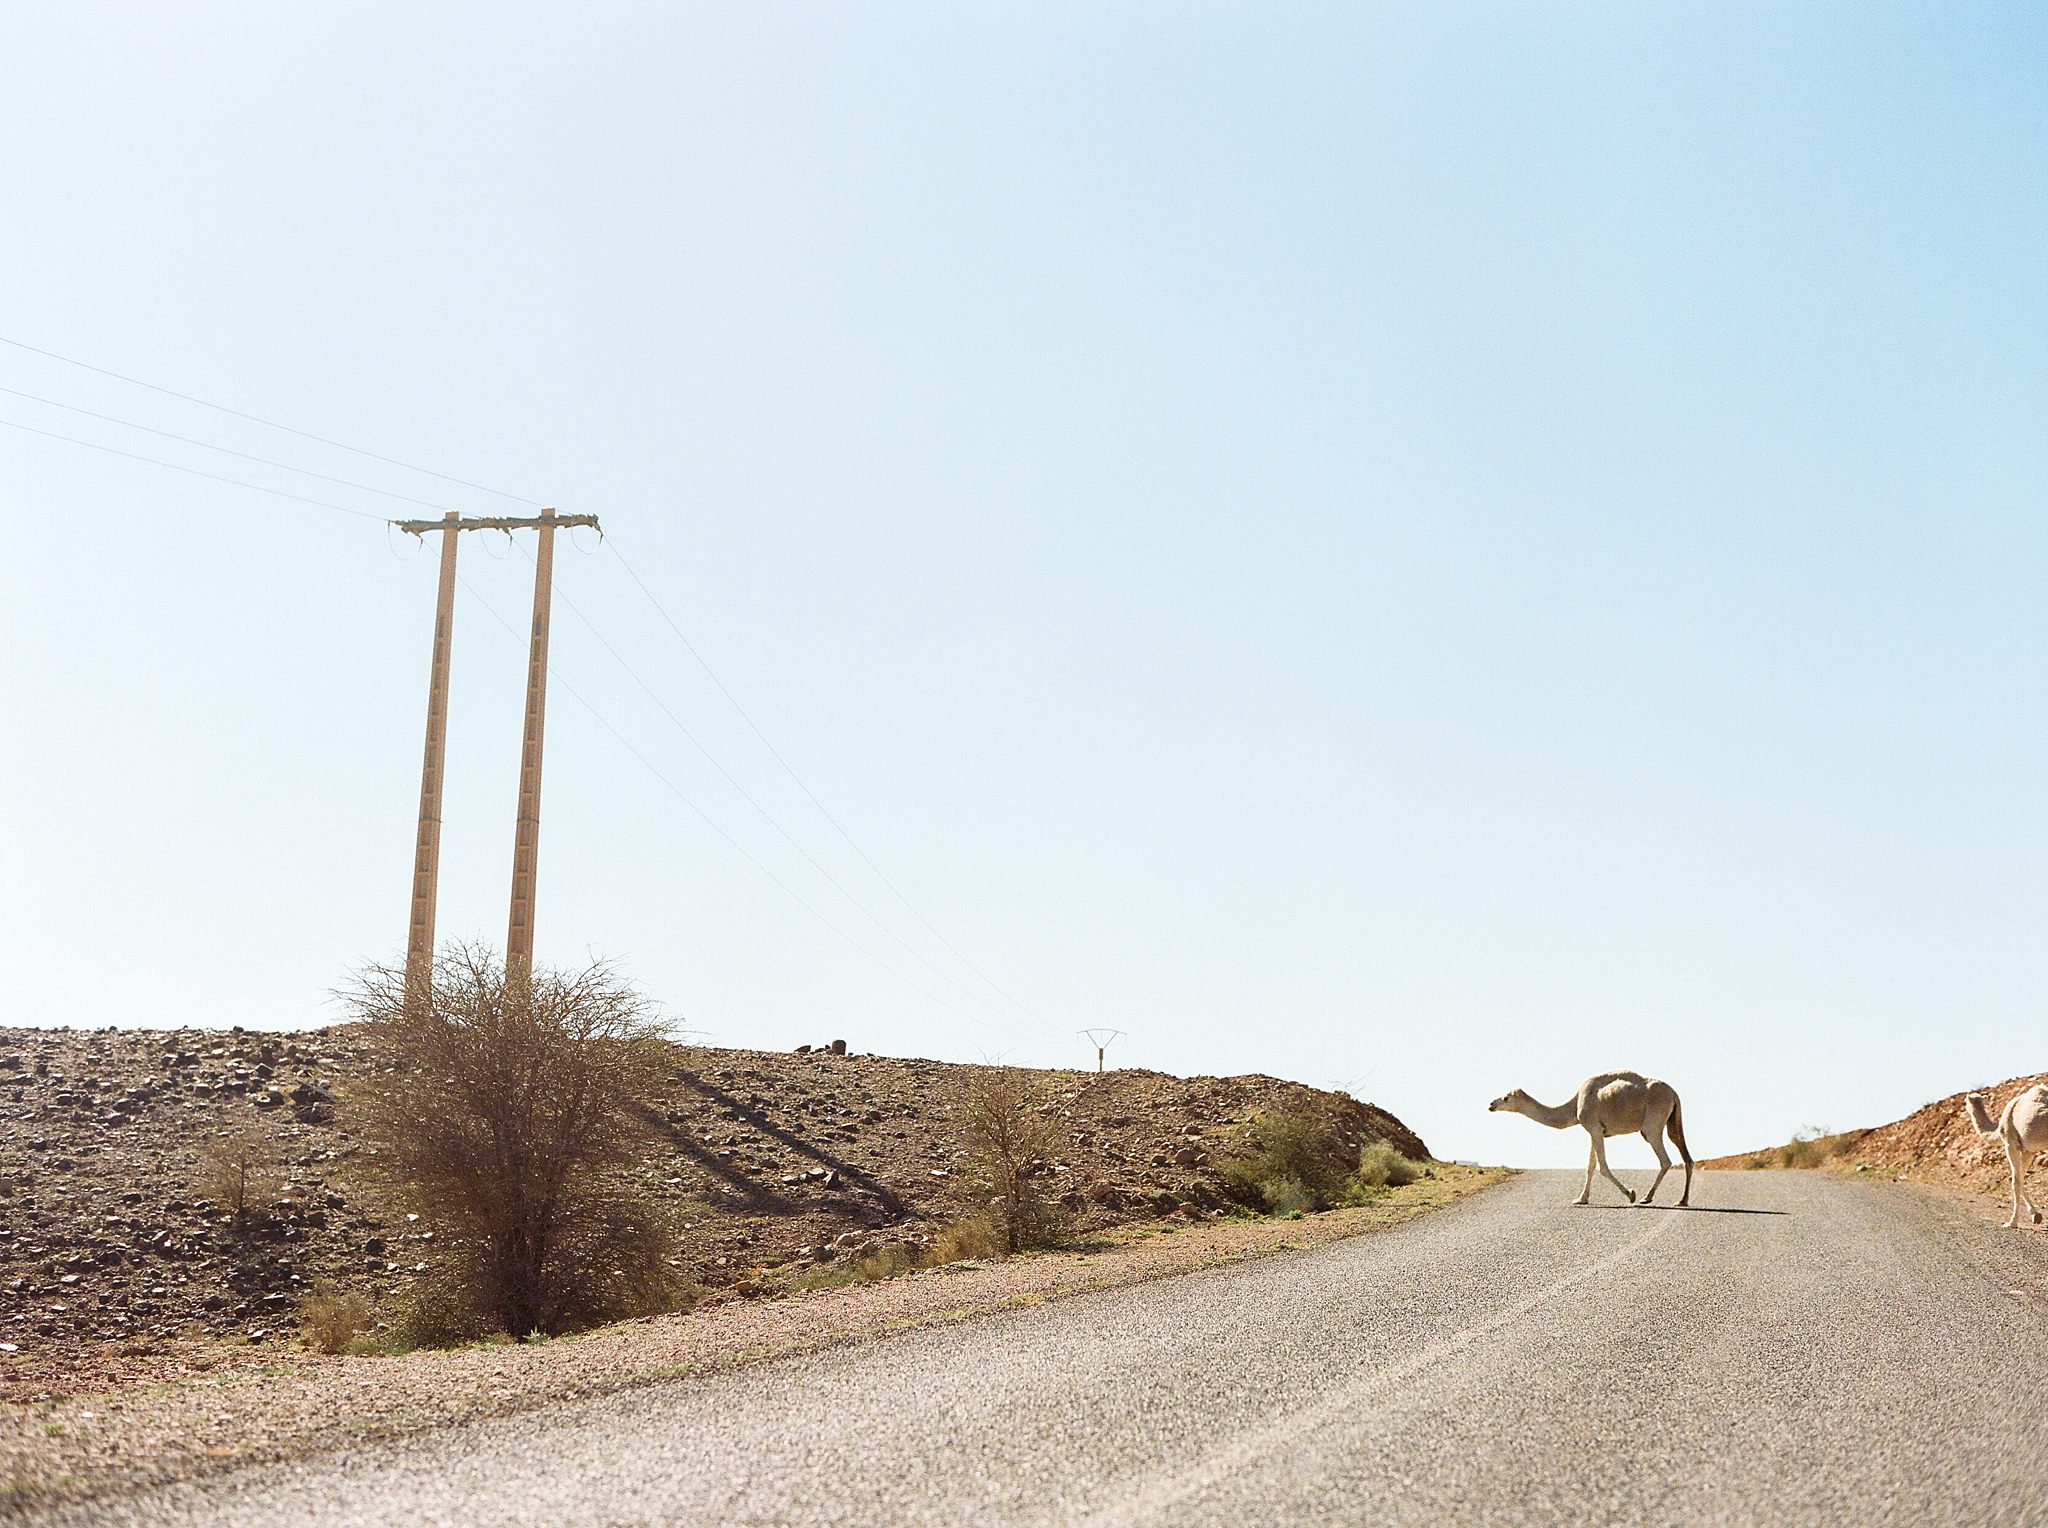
426 873
426 854
526 832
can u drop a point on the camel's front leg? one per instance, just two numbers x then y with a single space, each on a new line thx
1600 1156
2012 1165
1592 1156
1663 1161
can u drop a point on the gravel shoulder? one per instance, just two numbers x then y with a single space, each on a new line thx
220 1407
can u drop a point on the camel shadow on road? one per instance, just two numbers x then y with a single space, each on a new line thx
1684 1209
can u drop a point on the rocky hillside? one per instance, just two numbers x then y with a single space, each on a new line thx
112 1144
1935 1143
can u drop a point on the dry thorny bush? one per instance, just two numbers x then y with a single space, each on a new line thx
1294 1163
333 1319
239 1171
511 1112
1010 1147
1297 1161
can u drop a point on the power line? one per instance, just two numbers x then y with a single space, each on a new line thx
823 810
272 424
732 699
155 461
838 885
712 823
207 445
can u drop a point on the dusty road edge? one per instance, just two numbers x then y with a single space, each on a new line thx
260 1409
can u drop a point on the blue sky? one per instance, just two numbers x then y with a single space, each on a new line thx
1428 547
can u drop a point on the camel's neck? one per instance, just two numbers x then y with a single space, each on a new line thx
1985 1124
1563 1117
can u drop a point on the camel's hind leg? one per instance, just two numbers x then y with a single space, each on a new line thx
2016 1164
2012 1166
1675 1127
1600 1156
1592 1157
1654 1134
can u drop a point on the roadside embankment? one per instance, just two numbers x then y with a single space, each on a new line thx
216 1406
1936 1143
120 1149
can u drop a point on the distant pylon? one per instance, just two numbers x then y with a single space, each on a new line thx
1100 1038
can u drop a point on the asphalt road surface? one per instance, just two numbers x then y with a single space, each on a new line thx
1807 1349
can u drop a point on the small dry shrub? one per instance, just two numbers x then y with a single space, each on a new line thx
238 1171
1801 1151
1381 1166
1009 1146
1295 1163
1814 1146
972 1236
884 1262
1287 1197
333 1318
888 1261
894 1259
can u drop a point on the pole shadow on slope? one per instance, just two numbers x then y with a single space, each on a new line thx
758 1197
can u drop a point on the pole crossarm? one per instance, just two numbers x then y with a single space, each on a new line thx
496 523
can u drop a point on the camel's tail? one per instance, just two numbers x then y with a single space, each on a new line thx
1676 1126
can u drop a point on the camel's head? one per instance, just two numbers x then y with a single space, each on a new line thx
1510 1102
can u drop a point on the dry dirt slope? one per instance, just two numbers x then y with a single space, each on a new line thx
1935 1144
107 1230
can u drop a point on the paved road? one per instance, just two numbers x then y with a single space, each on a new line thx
1816 1350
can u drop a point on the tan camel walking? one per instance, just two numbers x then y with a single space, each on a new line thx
2023 1129
1615 1103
